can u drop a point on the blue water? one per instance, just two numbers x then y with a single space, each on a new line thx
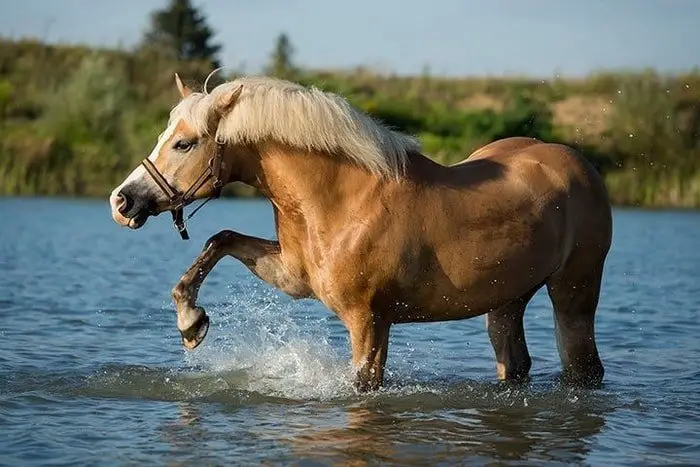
92 371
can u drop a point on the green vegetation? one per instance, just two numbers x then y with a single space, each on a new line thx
76 120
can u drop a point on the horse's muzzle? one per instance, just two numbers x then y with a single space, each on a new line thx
125 213
195 334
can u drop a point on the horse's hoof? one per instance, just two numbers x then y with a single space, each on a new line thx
195 334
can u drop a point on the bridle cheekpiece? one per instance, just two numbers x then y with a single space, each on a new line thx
177 200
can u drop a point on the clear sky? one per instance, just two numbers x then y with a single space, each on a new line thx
452 37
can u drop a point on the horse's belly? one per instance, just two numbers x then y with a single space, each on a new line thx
434 313
429 306
443 298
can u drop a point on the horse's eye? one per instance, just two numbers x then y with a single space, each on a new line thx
183 145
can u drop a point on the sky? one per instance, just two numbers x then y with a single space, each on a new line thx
449 37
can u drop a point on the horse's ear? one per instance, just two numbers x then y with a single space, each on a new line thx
227 100
184 90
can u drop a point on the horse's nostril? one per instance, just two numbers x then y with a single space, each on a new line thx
122 203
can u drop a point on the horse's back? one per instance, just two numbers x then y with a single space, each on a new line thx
564 181
541 165
501 146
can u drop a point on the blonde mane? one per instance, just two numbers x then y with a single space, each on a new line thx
304 118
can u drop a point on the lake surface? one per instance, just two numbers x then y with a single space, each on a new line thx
92 371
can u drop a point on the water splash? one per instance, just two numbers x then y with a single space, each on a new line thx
284 352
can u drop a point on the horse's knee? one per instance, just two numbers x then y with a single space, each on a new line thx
179 292
218 238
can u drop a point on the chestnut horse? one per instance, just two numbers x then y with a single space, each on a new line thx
378 232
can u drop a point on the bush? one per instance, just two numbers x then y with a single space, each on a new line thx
89 105
77 120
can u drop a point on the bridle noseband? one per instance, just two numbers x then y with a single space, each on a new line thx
177 200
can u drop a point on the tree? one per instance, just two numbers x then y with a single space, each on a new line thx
281 64
182 30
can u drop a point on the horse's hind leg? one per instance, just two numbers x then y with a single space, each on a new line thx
574 294
507 335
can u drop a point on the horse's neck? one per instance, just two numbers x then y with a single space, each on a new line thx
317 197
303 183
310 185
313 196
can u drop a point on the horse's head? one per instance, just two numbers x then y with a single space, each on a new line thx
185 164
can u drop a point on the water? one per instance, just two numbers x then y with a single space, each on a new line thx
92 370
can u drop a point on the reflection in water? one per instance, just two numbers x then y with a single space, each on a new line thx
478 423
184 433
364 435
382 431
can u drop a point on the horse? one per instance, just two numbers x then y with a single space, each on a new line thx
377 231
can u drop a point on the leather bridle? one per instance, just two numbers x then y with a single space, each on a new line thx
177 200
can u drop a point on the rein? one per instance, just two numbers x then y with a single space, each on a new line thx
178 201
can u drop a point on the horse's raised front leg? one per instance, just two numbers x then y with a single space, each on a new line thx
369 338
261 256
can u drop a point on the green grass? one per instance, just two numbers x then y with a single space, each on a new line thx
76 120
